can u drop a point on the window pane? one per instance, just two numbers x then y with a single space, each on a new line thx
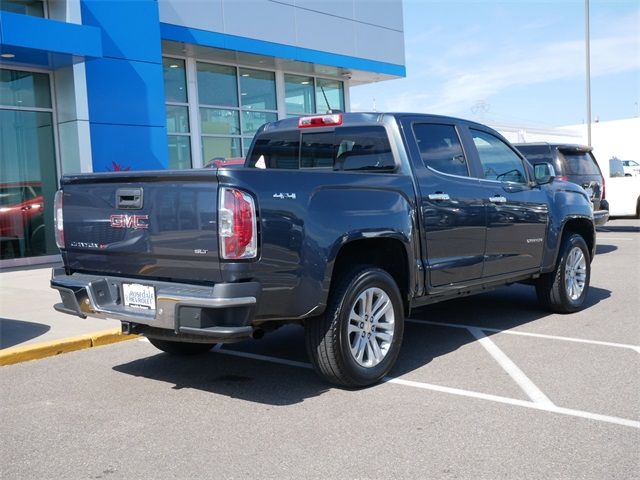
498 161
218 148
329 95
34 8
217 85
27 185
246 144
317 150
177 119
175 83
363 148
251 121
257 89
276 150
24 89
217 121
179 152
299 97
440 148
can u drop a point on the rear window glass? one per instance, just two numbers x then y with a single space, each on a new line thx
276 150
345 148
579 164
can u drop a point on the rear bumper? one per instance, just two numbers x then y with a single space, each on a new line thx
222 312
600 217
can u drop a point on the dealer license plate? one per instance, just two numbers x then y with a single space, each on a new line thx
139 296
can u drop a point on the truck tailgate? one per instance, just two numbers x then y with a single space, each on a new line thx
160 225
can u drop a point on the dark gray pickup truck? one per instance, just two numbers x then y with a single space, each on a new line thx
342 223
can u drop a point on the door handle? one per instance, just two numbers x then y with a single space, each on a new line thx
439 196
497 199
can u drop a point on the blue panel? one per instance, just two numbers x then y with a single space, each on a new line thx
130 29
260 47
126 92
46 35
123 147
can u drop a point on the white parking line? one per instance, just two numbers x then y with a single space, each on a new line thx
532 391
528 334
614 238
457 391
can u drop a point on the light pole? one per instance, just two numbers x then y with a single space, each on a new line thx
588 65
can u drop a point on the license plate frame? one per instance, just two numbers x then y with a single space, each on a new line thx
139 297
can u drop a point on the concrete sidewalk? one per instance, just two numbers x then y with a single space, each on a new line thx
27 316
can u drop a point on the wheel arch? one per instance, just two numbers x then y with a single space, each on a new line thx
389 253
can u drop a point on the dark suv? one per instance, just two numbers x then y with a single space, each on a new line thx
576 164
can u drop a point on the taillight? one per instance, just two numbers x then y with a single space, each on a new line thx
57 219
564 178
320 121
237 226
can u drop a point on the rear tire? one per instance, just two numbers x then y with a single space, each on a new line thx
357 340
181 348
565 289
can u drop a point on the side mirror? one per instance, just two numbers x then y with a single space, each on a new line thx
544 173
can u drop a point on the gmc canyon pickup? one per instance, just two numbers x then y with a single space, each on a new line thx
341 222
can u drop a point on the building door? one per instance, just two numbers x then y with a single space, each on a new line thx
28 178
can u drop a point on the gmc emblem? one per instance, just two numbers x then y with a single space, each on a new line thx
130 221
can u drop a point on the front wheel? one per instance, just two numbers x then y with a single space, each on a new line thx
181 348
565 289
357 340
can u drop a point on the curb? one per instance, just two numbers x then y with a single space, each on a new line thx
36 351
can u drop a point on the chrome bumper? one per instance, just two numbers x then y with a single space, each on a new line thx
222 311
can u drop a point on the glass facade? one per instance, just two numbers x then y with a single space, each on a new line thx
34 8
177 106
28 178
232 104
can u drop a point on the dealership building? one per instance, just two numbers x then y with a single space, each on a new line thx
95 86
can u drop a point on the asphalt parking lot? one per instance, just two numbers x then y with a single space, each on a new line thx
489 386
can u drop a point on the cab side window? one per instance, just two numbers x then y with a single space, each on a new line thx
440 148
499 162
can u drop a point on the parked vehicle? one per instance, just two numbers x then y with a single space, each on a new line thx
576 164
341 222
220 162
631 167
21 219
623 191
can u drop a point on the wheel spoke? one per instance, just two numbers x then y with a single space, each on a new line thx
369 302
384 326
362 343
354 329
377 353
381 312
385 337
370 356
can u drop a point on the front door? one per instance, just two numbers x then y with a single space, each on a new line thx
517 211
451 205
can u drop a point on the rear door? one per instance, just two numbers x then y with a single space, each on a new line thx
451 203
517 210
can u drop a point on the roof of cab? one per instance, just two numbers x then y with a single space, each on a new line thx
369 117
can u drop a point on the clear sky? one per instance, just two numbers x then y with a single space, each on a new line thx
516 62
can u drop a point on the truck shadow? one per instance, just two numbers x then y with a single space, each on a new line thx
235 371
603 248
15 332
